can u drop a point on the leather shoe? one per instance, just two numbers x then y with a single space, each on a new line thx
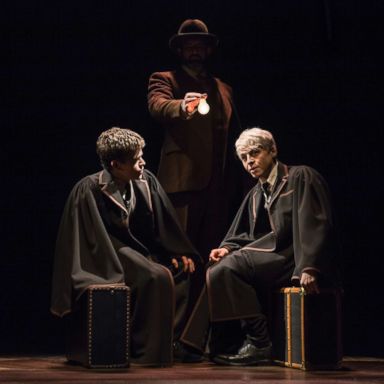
248 354
185 354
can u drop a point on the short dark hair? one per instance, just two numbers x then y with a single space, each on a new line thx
118 144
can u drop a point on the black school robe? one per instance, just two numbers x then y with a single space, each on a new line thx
301 235
101 242
302 232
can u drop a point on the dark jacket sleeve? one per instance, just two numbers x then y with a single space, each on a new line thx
313 228
84 253
170 235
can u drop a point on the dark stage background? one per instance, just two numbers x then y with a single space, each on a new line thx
308 70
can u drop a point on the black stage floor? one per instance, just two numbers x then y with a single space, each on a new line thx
55 369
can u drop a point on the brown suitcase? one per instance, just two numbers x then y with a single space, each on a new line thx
98 329
306 329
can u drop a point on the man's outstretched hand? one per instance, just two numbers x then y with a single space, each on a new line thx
191 102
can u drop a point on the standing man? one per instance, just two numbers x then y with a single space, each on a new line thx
283 233
195 167
118 226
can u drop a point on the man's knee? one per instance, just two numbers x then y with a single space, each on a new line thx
221 270
156 277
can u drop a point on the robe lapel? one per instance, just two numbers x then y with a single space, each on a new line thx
282 178
257 200
110 189
142 186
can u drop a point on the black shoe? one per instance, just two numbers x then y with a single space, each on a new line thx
185 354
248 354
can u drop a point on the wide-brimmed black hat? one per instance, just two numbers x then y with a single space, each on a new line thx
192 28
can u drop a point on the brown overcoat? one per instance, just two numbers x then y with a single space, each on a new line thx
188 148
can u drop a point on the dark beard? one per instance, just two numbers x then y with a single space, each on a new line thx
195 64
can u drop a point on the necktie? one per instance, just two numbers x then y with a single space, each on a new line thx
266 192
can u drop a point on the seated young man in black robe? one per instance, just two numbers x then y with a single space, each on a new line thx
118 226
283 233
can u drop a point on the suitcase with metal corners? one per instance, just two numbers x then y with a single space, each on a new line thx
306 329
98 329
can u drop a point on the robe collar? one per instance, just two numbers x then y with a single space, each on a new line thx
110 189
281 180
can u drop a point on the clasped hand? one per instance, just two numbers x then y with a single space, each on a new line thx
217 254
188 264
